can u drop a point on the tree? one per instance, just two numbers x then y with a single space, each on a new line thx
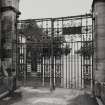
33 36
39 44
58 50
86 50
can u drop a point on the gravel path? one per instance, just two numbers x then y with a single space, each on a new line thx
42 96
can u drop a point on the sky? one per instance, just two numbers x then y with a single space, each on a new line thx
33 9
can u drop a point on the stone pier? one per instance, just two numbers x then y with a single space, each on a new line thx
99 46
9 12
9 15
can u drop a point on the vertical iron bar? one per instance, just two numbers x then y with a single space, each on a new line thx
86 57
81 57
66 69
55 75
74 65
62 57
43 71
69 64
52 87
16 47
93 79
78 66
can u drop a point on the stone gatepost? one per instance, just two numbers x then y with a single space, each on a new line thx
99 44
9 14
0 33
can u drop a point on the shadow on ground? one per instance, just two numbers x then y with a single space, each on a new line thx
16 97
83 100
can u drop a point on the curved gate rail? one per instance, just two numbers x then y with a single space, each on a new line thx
56 52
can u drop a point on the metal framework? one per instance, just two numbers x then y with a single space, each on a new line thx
57 52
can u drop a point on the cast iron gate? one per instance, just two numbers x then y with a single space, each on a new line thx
56 51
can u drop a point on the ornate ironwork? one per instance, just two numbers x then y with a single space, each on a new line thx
63 49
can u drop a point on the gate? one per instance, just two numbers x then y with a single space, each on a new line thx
56 51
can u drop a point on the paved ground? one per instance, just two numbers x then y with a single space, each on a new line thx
42 96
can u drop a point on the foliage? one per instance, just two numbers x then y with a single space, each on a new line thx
31 31
86 50
40 45
39 42
58 48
